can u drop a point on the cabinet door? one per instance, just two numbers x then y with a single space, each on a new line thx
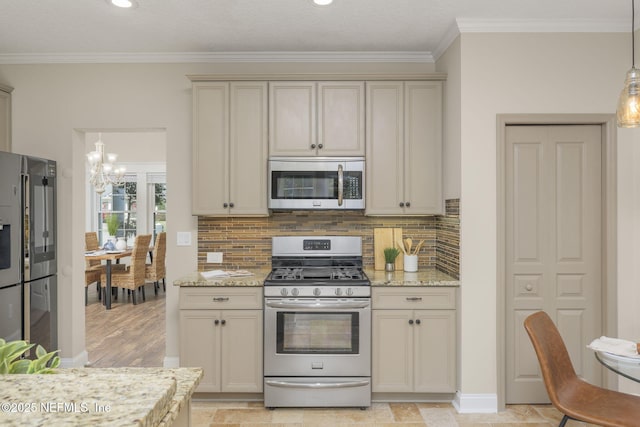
392 351
210 173
434 351
200 345
422 148
5 120
292 119
248 149
341 119
242 351
385 158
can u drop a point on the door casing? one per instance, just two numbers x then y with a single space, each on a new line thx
609 224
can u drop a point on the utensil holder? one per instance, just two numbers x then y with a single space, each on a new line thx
411 263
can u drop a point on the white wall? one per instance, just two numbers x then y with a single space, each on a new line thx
54 105
524 73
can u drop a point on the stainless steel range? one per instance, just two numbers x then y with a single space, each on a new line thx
317 337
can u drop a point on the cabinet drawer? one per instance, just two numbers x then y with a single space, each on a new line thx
198 298
413 298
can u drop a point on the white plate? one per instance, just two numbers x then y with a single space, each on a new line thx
622 358
114 252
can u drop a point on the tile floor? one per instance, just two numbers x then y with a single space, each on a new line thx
253 414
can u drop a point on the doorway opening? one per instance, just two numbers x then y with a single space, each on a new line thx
127 335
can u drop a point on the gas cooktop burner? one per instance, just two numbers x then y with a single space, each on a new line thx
316 273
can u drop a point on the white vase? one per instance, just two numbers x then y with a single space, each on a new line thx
121 244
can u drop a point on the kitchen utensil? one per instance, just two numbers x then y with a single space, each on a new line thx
407 244
418 247
401 246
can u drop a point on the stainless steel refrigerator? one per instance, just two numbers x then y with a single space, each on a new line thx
28 259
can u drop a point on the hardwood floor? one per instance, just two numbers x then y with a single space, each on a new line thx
126 335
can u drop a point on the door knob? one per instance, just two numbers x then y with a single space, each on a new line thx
417 321
225 205
320 146
411 321
407 204
402 204
215 322
231 204
224 322
313 146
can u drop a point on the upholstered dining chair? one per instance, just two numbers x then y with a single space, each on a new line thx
574 397
156 270
132 276
93 268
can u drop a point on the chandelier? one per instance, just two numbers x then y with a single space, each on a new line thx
103 172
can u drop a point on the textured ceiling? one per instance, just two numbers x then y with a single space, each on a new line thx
84 27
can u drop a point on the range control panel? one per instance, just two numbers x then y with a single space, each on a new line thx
316 245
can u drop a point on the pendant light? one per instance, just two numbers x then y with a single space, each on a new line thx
629 102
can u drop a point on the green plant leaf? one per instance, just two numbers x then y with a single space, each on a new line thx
20 366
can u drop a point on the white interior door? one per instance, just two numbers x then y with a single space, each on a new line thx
553 247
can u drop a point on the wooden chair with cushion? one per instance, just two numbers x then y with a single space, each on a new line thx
93 267
575 398
156 270
133 276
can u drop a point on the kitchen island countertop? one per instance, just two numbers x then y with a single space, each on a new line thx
97 397
423 277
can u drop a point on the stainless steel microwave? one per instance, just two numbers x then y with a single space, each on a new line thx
316 183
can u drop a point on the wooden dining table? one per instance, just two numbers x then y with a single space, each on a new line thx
108 256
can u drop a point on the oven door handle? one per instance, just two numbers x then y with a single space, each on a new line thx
345 384
340 305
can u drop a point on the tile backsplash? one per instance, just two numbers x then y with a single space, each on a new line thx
246 242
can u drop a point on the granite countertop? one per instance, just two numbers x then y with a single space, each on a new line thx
97 397
423 277
196 279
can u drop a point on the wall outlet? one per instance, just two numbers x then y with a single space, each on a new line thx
214 257
183 238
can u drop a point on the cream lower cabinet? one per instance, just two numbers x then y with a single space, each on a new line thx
414 340
229 176
221 331
404 148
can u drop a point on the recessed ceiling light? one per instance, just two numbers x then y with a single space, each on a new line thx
322 2
123 3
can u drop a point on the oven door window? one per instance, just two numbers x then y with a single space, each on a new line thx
317 333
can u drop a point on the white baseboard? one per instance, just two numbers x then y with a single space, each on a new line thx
78 361
475 403
171 362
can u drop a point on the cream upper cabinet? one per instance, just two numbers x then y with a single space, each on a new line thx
221 331
341 130
404 148
414 340
230 149
5 118
316 119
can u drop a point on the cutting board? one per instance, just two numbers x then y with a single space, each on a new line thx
386 238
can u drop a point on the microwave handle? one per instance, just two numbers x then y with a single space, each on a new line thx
340 184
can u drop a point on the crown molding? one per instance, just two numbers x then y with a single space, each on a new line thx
214 57
449 36
541 26
316 76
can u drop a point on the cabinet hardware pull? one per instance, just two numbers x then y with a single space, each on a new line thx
340 184
231 204
417 321
225 205
215 322
313 146
408 204
224 322
320 146
414 298
411 321
402 204
221 299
